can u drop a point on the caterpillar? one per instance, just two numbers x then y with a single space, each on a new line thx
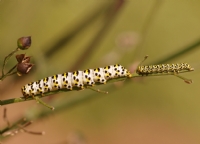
76 79
163 68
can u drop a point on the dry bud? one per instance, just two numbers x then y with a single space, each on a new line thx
24 68
21 58
24 43
24 65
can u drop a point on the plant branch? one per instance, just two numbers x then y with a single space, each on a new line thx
3 75
145 28
11 70
134 75
111 14
37 113
185 50
7 58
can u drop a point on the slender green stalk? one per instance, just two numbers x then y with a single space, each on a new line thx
185 50
22 99
6 60
3 76
111 14
43 103
63 40
11 70
145 28
38 114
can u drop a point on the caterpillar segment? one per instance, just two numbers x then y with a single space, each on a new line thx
99 75
88 77
67 80
77 79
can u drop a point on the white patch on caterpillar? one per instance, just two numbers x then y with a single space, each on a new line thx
77 79
47 84
56 82
67 80
88 77
99 75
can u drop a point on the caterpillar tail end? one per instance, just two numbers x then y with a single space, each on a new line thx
130 75
191 69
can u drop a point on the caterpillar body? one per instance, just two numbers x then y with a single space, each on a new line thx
163 68
76 79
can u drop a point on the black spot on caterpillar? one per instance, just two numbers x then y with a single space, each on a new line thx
163 68
76 79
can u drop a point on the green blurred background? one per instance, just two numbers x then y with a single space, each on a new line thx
69 35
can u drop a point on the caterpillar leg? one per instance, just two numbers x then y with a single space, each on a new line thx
43 103
97 90
188 81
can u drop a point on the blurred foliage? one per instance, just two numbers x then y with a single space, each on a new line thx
71 35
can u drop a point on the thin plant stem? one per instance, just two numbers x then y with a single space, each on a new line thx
175 55
15 72
90 49
145 28
11 70
43 103
7 58
63 40
97 90
5 117
23 99
39 114
3 76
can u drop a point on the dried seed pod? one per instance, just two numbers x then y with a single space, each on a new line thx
24 68
22 58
